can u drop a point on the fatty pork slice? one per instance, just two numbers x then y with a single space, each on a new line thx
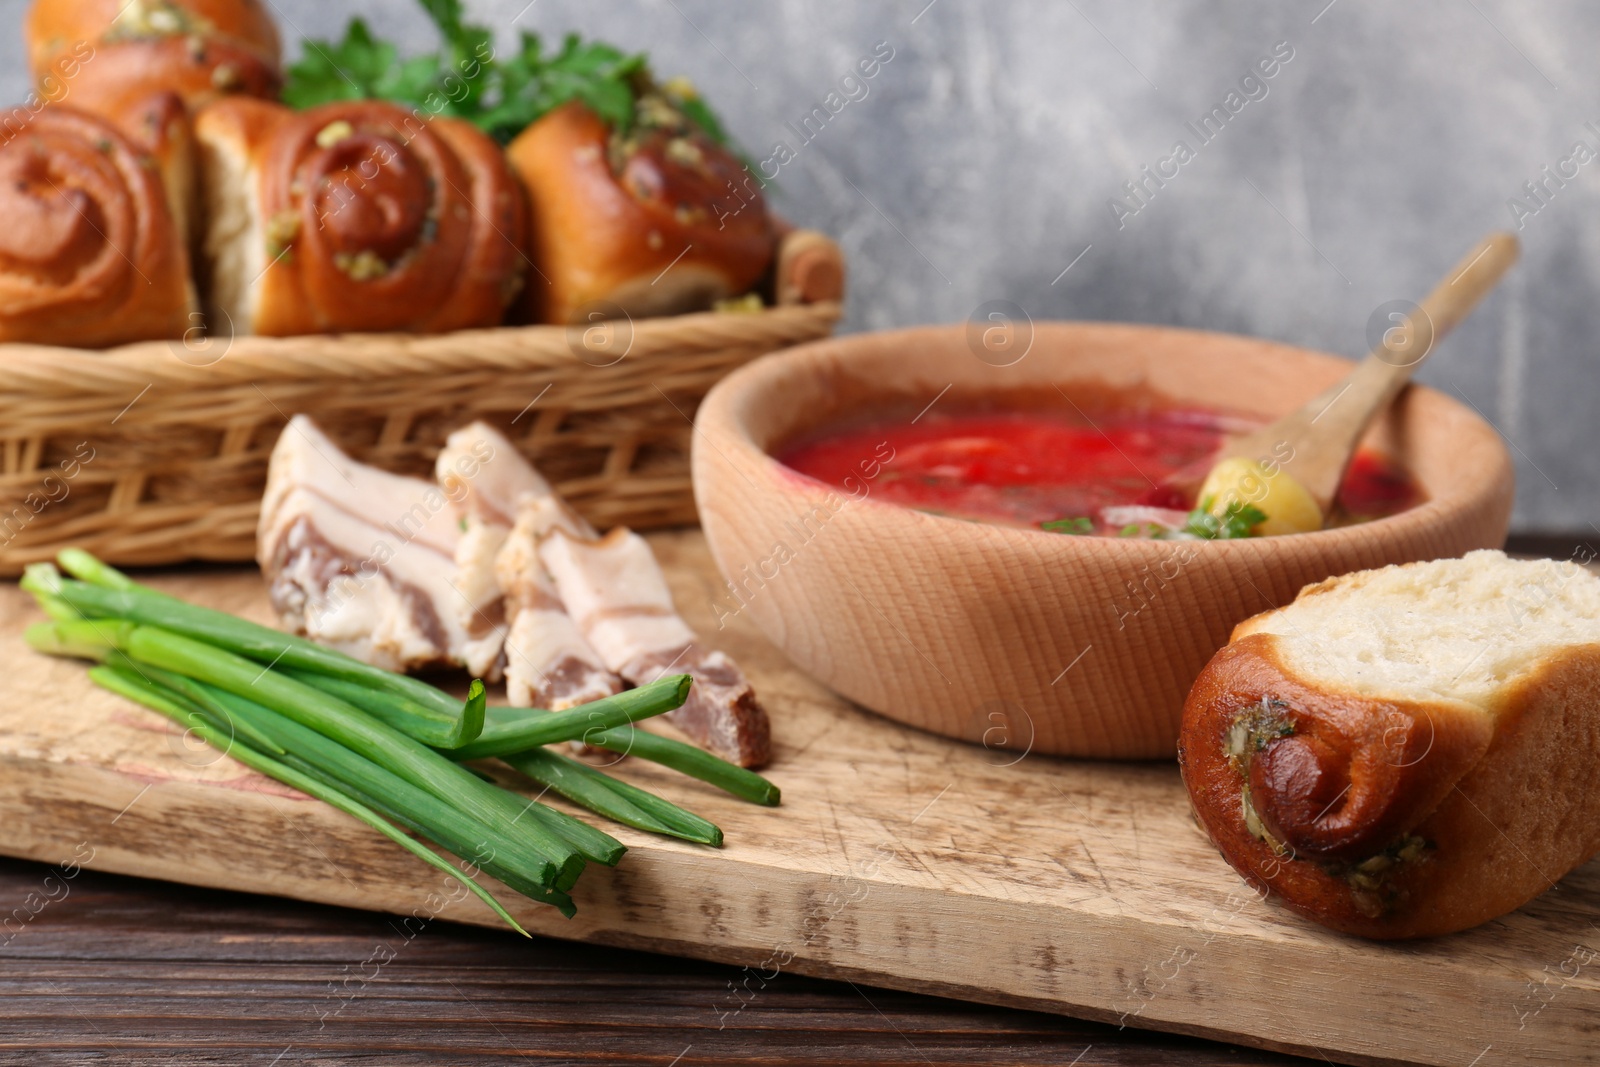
549 663
363 560
484 476
505 506
614 590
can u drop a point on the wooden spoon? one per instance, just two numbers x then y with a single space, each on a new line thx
1316 442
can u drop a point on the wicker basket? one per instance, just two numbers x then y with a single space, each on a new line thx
157 452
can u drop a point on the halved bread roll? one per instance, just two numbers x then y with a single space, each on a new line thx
350 217
161 126
1408 751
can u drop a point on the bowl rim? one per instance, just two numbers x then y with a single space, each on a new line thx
719 416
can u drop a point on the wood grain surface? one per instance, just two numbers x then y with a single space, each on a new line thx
897 859
136 972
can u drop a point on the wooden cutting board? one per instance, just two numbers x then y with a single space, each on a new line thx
897 858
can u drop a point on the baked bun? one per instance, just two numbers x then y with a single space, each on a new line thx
108 56
90 252
658 222
160 127
1408 751
355 217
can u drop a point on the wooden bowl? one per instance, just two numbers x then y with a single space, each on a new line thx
1026 640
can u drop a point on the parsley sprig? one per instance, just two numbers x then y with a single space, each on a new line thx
1237 520
1078 527
501 93
360 67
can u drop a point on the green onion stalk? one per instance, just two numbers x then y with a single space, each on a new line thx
130 685
386 749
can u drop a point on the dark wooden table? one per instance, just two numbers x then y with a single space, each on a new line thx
127 971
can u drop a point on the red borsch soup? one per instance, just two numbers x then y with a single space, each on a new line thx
1102 472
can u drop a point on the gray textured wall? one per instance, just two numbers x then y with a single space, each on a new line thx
985 156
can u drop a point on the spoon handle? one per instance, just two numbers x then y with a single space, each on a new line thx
1324 432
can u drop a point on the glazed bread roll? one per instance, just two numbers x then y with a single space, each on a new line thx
656 223
90 251
109 56
160 127
1409 751
354 217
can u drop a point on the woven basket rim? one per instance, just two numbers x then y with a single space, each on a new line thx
55 371
58 371
182 433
